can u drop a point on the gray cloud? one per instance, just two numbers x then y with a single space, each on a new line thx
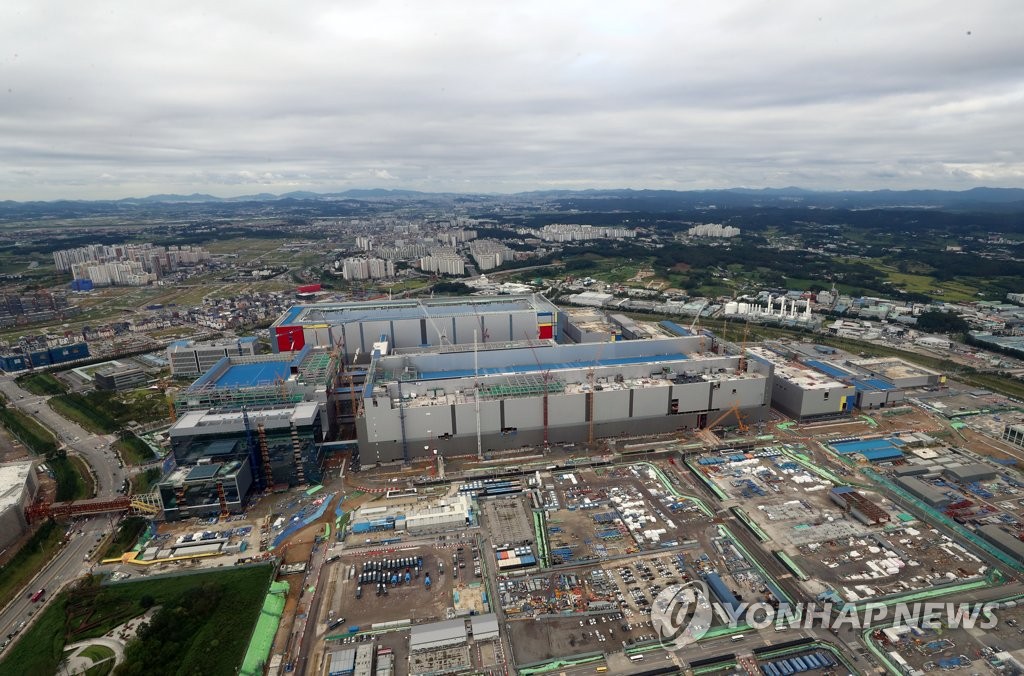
111 99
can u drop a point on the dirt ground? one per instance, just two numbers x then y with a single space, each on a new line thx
406 601
10 448
543 639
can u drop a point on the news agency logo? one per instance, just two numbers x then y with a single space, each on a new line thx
681 614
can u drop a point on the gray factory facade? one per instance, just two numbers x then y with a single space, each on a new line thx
416 404
412 325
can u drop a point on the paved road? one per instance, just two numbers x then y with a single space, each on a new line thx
65 567
93 448
69 562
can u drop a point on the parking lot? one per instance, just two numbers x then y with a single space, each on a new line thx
382 600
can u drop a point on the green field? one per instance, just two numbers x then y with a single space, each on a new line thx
72 477
203 625
81 409
951 291
144 482
37 438
108 412
42 384
134 451
102 654
26 563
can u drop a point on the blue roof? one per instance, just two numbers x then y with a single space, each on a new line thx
531 368
675 328
845 447
250 375
725 596
878 454
827 369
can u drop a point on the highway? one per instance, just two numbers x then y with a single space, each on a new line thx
93 448
69 563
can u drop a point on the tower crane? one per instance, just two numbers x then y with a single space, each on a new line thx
592 395
545 375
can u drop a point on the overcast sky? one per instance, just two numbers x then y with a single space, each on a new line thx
108 98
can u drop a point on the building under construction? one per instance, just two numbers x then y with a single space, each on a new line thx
274 446
259 381
210 489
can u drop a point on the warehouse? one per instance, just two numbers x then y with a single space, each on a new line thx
414 515
416 324
343 663
858 506
1006 541
969 473
485 627
364 660
282 444
416 404
18 488
437 635
923 491
19 361
803 393
188 358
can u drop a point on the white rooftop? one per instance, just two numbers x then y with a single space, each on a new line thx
13 476
272 417
803 377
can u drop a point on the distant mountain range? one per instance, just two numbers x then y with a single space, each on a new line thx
732 196
982 199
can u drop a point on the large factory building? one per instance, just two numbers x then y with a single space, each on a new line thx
803 393
417 324
421 403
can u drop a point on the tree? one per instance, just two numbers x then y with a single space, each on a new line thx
147 601
935 321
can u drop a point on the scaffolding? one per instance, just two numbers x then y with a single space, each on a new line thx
308 370
521 385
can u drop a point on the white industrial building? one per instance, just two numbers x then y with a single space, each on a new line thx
485 627
18 488
188 358
437 635
801 392
783 309
459 402
415 324
415 514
